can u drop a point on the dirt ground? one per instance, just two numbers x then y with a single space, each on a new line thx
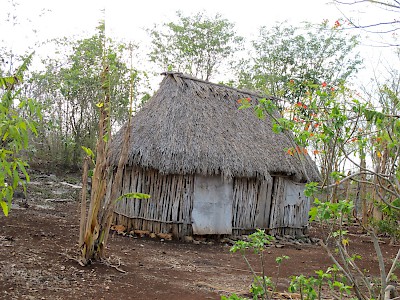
39 238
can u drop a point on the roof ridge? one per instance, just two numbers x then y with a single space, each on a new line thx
187 76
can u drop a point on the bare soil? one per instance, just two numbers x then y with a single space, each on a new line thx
39 238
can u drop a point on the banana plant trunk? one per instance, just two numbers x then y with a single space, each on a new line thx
101 210
94 232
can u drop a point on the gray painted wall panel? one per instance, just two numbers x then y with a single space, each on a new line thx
212 205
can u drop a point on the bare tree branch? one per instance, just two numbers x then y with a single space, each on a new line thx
370 1
390 7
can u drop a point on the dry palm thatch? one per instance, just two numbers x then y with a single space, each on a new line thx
194 127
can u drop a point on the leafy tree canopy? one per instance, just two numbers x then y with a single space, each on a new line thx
70 89
196 44
285 56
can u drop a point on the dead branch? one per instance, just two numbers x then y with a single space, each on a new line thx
397 6
108 264
344 179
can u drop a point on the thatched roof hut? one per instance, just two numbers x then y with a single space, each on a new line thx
190 139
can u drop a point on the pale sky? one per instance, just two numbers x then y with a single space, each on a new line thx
125 19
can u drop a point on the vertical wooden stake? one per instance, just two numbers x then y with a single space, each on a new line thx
82 227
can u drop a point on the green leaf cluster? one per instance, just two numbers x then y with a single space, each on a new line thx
195 44
286 61
15 126
133 196
256 241
70 90
327 211
310 288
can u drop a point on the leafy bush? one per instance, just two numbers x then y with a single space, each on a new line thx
15 126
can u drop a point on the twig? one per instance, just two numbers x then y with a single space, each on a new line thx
249 266
78 260
357 291
383 176
108 264
355 267
344 179
386 202
393 266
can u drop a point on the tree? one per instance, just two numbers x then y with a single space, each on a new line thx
285 56
307 68
70 90
352 129
380 27
196 44
384 155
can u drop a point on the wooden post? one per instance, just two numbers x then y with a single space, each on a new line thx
82 226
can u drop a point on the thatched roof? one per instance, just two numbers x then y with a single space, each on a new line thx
194 127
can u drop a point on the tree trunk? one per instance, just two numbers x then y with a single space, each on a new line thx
377 213
363 191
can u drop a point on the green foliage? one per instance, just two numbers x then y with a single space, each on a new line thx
133 196
15 125
266 106
70 90
256 242
280 259
327 119
343 288
305 286
194 44
330 212
390 224
260 285
89 153
339 127
310 189
286 60
311 287
348 277
233 297
321 276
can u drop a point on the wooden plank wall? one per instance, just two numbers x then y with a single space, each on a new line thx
256 204
288 216
167 211
251 201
